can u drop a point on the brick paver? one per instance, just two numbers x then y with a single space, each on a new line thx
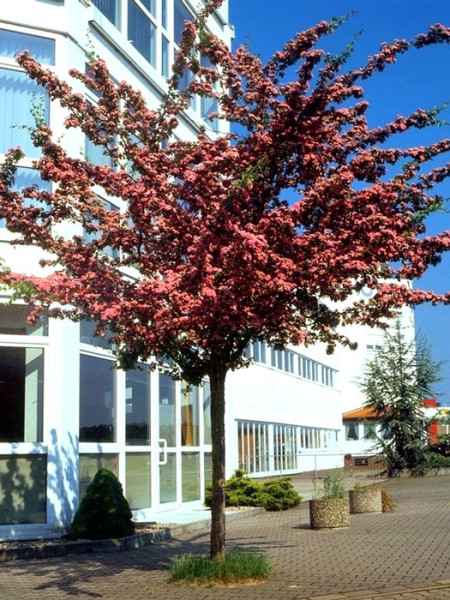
404 555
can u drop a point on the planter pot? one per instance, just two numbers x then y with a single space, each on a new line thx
325 513
365 501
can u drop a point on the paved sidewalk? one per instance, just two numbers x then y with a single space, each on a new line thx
404 555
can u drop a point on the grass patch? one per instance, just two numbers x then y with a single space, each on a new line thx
236 568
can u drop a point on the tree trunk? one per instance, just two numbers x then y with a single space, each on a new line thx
217 377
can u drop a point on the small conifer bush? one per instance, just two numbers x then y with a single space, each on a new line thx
279 494
241 490
104 511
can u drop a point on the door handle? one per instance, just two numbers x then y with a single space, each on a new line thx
162 450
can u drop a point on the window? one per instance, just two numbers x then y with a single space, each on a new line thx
97 400
142 31
97 234
165 57
138 480
167 418
41 48
164 20
189 416
90 464
209 105
207 469
13 321
351 430
288 361
370 431
168 479
18 94
184 82
138 406
21 394
285 447
87 331
23 482
259 352
150 5
206 412
180 15
110 8
28 178
96 154
190 474
253 446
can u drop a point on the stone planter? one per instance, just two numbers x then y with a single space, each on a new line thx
366 500
325 513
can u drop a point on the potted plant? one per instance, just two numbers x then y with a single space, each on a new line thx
365 499
330 508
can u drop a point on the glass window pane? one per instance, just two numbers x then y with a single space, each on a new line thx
21 394
110 8
209 105
23 486
13 321
167 480
207 459
180 15
190 475
28 178
18 94
97 400
90 464
138 480
206 413
189 416
167 423
150 5
41 48
92 236
165 62
138 406
87 331
95 153
164 13
141 32
351 431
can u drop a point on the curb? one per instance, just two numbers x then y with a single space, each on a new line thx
41 549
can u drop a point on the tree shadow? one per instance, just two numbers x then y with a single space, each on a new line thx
39 488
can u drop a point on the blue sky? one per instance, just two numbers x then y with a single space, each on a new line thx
419 79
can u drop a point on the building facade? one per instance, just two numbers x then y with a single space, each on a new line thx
65 411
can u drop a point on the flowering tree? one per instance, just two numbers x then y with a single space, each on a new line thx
208 254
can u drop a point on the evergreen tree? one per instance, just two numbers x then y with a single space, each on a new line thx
395 382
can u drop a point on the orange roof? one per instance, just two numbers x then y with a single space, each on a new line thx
361 413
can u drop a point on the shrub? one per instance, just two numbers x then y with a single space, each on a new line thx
432 460
104 511
241 490
279 494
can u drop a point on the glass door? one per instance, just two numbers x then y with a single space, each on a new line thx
168 481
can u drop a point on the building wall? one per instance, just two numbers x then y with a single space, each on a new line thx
351 362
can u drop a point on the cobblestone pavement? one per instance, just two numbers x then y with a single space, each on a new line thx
404 555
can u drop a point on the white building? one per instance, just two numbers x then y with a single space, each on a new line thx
64 411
